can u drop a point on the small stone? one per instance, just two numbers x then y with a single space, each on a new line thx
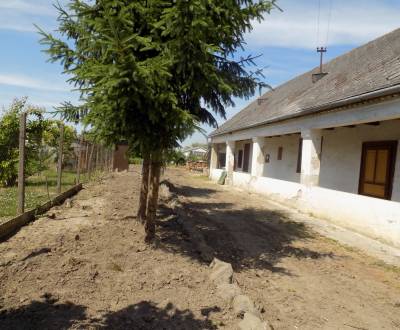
242 304
68 203
222 272
228 291
252 322
51 215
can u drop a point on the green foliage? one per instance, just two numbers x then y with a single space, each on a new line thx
149 71
176 157
42 136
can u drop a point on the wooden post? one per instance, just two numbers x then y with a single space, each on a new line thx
78 170
90 161
60 158
97 157
111 160
86 157
21 169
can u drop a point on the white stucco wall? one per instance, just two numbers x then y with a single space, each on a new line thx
373 217
284 169
215 174
341 155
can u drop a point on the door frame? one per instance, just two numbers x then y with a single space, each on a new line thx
392 146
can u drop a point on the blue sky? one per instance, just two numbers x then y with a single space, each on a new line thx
286 40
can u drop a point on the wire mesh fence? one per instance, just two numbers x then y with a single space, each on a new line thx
39 159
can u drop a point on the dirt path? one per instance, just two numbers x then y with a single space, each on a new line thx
85 266
303 280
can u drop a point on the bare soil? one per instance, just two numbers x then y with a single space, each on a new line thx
85 266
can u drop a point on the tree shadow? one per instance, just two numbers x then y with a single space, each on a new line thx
49 314
247 238
146 315
187 191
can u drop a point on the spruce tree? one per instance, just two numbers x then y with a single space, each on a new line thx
149 70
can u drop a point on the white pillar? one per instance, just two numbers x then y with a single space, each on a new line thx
257 160
213 158
230 160
310 161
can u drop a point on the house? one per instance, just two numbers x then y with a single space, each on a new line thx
198 152
325 142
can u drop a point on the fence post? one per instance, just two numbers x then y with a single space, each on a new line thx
86 157
90 161
21 169
78 170
60 158
97 158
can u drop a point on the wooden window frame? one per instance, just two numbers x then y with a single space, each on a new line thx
299 156
219 165
392 146
280 153
246 161
240 159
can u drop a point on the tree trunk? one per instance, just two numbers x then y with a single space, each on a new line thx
152 203
144 189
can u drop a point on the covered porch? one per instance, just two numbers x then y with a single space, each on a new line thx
342 166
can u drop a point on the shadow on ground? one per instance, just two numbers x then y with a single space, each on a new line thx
49 314
246 238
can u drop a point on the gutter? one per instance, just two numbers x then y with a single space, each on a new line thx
324 107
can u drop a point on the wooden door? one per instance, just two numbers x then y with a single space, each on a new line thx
246 157
377 169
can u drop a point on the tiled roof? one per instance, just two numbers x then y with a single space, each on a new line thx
371 67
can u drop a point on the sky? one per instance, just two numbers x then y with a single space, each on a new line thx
286 41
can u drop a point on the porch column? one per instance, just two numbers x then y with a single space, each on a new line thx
257 163
310 157
230 160
213 158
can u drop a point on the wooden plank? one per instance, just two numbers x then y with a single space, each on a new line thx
8 228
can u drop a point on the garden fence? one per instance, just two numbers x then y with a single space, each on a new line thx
47 169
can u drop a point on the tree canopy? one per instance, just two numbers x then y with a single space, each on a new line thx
150 70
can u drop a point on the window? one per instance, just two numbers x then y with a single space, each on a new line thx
221 160
377 169
299 155
246 157
280 151
240 159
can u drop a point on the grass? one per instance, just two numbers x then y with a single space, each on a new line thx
35 191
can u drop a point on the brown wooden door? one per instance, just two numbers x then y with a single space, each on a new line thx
246 157
377 169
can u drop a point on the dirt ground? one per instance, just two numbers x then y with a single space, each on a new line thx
85 266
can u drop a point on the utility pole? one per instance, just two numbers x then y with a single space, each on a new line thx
21 164
321 51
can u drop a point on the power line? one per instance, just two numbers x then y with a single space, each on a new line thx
329 22
318 19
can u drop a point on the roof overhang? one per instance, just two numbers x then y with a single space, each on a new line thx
353 100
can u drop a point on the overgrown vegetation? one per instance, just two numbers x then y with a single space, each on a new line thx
42 136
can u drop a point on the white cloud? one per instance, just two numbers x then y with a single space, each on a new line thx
20 15
352 22
30 83
35 7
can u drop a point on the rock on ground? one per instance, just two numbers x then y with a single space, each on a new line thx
242 304
228 291
222 272
252 322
